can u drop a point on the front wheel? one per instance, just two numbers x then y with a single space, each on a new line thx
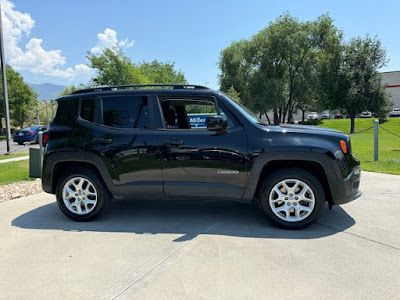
292 198
81 195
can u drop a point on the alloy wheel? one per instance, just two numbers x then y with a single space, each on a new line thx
79 195
292 200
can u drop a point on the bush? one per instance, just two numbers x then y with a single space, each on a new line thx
311 122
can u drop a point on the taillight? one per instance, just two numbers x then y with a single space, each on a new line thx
45 138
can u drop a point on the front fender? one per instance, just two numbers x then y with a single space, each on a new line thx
331 169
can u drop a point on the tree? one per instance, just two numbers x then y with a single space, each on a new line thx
352 82
114 68
22 99
46 111
277 67
233 94
72 88
236 70
158 72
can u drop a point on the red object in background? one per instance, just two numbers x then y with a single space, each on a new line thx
338 116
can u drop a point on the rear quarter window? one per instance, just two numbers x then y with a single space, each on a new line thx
66 112
87 109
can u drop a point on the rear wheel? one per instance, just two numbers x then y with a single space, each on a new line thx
292 198
81 195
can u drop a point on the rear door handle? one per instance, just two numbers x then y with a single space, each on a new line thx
102 141
174 142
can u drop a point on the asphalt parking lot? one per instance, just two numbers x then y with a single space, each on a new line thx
15 147
195 250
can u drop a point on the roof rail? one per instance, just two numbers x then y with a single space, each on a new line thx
138 86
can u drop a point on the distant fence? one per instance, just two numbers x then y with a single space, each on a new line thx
376 127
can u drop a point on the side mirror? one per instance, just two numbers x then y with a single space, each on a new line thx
217 123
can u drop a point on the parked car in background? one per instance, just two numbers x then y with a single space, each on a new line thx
28 134
338 116
395 113
326 115
313 116
366 114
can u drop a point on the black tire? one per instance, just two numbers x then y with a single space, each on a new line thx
299 174
103 195
20 143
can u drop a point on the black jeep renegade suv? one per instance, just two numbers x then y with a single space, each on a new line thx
186 141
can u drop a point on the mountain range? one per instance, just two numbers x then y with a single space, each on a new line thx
47 91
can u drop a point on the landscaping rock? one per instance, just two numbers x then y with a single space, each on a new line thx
16 195
20 189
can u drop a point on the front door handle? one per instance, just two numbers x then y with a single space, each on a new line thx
102 141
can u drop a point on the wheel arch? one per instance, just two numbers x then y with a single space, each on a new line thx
57 163
318 165
71 165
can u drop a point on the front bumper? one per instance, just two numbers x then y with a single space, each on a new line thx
346 190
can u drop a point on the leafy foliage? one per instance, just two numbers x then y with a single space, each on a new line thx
276 69
46 111
292 65
72 88
351 81
114 68
22 99
233 94
158 72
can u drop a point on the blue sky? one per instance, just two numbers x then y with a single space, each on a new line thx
191 34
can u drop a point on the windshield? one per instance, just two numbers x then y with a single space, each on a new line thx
244 110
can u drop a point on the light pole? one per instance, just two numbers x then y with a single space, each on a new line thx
5 94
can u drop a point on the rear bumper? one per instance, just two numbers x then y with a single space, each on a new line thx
23 139
346 190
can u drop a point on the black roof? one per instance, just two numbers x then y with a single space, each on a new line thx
141 86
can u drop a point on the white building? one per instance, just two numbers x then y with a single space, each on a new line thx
392 82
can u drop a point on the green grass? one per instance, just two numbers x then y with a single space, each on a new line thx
14 171
363 144
19 154
2 137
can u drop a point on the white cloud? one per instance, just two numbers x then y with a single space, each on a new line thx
35 58
126 44
39 61
108 39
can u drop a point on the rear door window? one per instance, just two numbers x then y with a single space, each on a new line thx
125 112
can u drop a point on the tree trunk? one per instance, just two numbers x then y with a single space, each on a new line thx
285 108
269 121
303 112
352 118
276 116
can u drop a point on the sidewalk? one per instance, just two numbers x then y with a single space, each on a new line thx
14 159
